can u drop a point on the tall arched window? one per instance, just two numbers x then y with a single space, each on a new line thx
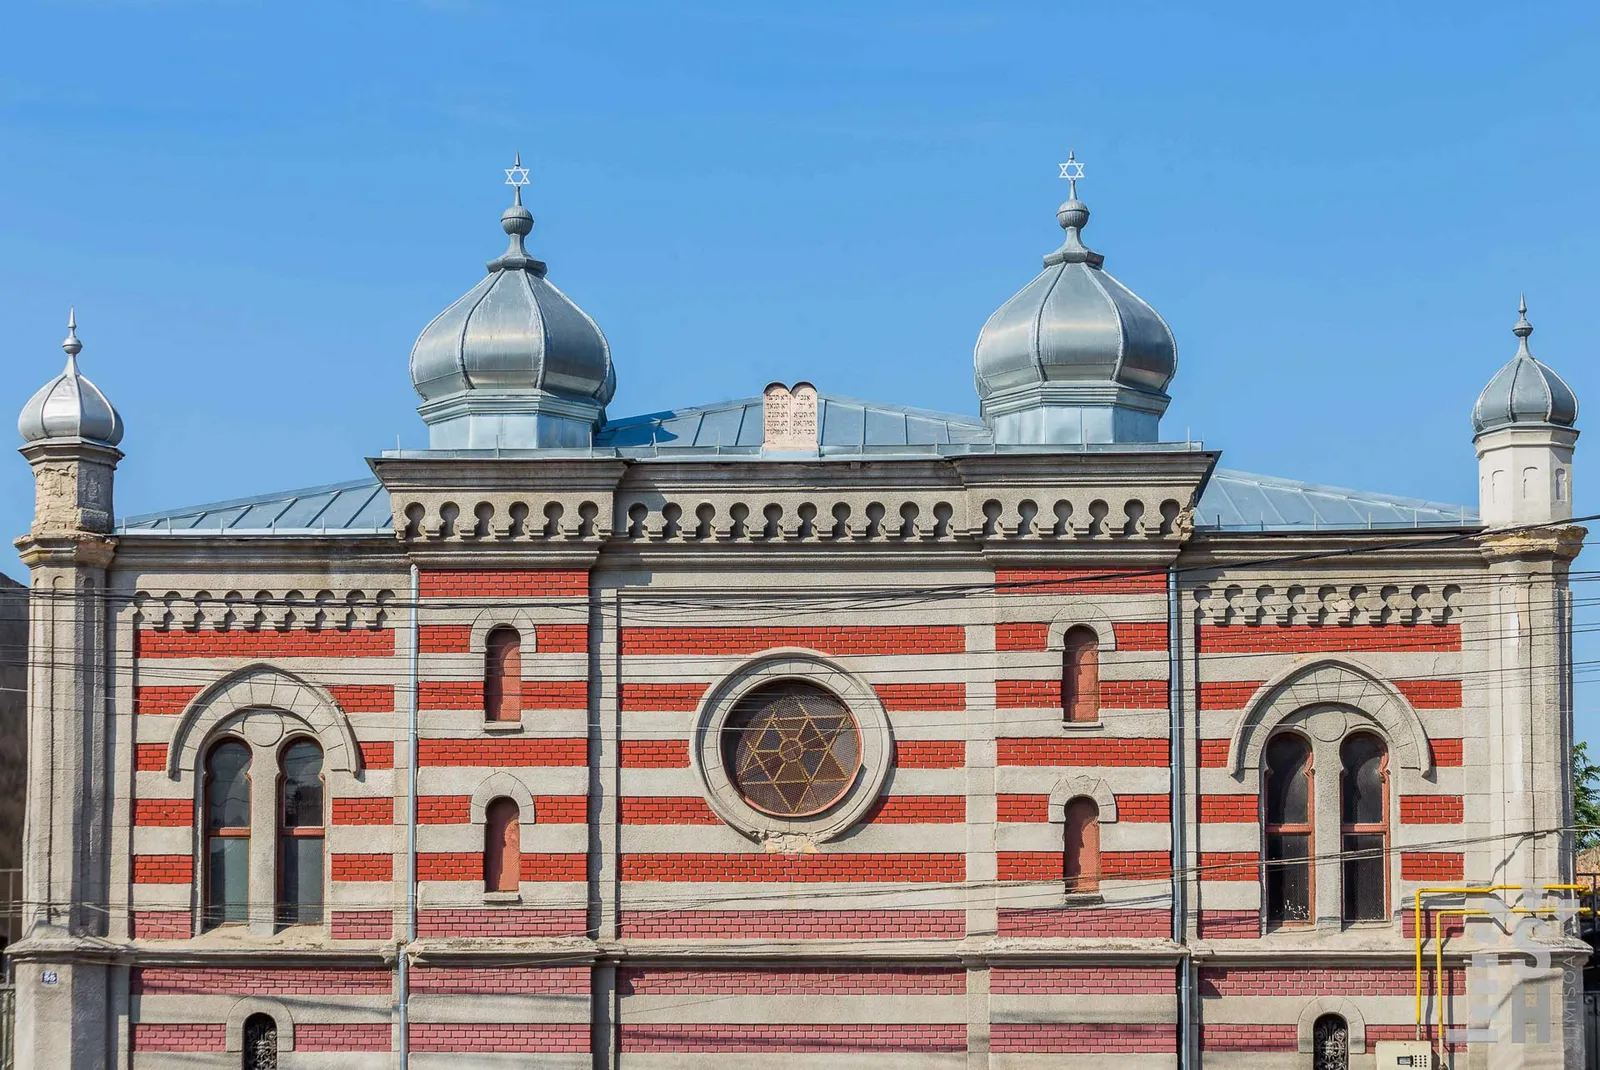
1330 1043
502 676
1082 847
502 847
260 1043
1080 675
1287 811
227 796
1364 827
300 835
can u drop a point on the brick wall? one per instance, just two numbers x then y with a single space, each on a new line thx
502 583
840 640
823 1038
358 643
1351 638
780 924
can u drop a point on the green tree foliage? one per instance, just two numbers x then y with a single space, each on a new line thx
1585 797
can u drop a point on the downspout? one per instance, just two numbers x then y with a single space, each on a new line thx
1180 850
404 961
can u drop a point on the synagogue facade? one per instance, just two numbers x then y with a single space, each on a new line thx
802 730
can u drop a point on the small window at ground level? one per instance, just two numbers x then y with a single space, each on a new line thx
260 1043
1330 1043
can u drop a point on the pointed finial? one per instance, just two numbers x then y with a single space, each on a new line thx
72 345
516 178
517 222
1072 170
1523 327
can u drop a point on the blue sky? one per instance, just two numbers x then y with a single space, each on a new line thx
256 207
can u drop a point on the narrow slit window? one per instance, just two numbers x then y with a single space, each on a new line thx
1287 813
1364 827
1082 848
502 677
1080 675
502 847
301 835
227 862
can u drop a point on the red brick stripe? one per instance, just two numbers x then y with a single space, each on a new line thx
472 1037
260 980
358 643
450 695
468 866
922 696
1036 808
444 638
502 752
363 867
1047 865
476 980
1062 1037
562 638
1144 808
793 980
654 754
363 698
376 755
1214 753
1431 694
830 1038
1433 866
802 868
502 923
363 811
150 757
1432 809
165 813
161 924
888 924
1447 752
343 1036
1230 865
1229 924
159 1036
918 810
501 583
930 753
1304 638
1224 1036
667 810
1020 635
1226 694
1080 980
1083 922
555 694
162 869
1012 807
664 697
1226 809
162 699
361 925
839 640
1076 580
1345 980
1099 752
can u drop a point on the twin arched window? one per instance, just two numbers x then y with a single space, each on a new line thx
297 833
1290 820
502 846
502 675
1080 675
1081 861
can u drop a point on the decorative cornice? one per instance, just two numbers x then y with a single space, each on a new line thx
71 549
1563 542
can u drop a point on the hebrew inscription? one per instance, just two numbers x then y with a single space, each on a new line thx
789 417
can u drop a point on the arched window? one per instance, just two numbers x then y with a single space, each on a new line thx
502 847
1330 1043
227 797
1287 811
502 676
260 1043
300 835
1561 484
1081 861
1364 826
1080 675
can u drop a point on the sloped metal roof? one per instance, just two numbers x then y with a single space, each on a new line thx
848 429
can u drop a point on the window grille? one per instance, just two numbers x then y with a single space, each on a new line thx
791 749
1330 1043
260 1043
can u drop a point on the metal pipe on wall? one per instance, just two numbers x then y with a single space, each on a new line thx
404 961
1180 888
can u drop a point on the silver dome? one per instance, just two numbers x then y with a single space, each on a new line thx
1075 355
513 350
70 406
1524 391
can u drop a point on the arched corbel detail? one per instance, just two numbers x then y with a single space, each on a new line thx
497 617
502 785
1305 1029
248 1005
1084 787
1086 616
1330 682
263 686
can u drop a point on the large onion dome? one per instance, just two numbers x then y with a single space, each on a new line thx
1524 391
514 363
1074 356
70 406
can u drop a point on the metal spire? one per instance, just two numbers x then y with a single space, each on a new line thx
71 344
1072 170
1523 327
517 177
517 222
1073 215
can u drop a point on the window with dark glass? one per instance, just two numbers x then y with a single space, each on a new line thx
1080 675
1287 811
300 835
1364 827
791 749
502 847
1082 854
227 825
1330 1043
260 1043
502 676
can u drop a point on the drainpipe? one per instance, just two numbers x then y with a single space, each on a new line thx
404 962
1180 885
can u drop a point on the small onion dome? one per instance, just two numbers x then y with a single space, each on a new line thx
1524 391
1074 323
70 406
514 333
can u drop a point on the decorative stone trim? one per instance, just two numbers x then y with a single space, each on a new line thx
792 834
249 1005
503 785
1376 603
263 687
263 610
1080 786
1305 1041
498 617
1082 616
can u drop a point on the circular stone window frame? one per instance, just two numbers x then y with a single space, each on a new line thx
872 724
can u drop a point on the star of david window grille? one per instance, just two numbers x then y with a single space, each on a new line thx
791 749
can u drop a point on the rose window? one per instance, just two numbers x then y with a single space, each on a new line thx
791 749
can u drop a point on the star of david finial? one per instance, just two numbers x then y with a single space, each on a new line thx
1072 170
517 176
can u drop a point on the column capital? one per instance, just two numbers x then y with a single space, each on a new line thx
1562 542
